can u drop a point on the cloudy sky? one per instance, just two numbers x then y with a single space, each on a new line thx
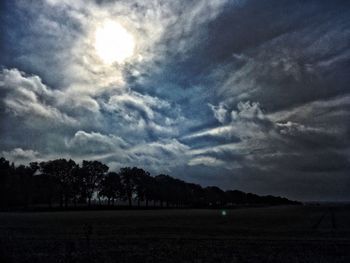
244 94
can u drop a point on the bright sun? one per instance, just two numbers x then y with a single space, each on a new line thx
113 43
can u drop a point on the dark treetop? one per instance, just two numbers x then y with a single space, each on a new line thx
67 184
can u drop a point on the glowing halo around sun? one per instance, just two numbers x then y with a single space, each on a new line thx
113 43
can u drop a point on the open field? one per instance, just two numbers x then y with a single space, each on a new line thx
270 234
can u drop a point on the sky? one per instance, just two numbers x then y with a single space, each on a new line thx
243 94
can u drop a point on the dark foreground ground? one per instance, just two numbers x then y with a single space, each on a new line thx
270 234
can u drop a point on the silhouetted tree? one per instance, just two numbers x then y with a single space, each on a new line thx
111 187
215 196
140 180
253 198
77 186
164 193
6 170
197 195
24 183
92 175
171 190
236 197
46 189
64 181
151 188
62 170
126 176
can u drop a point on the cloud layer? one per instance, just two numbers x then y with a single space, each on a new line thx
246 94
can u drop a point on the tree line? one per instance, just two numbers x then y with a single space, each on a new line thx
65 183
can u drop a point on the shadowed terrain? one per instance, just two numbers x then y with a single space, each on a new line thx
267 234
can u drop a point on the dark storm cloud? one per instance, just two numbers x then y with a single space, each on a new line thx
242 94
296 64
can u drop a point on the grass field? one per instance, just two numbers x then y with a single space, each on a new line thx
269 234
